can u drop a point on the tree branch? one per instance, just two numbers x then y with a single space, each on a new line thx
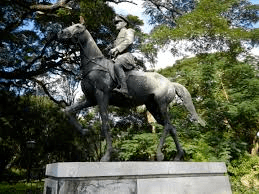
121 1
52 7
5 33
43 86
45 66
160 5
21 74
62 69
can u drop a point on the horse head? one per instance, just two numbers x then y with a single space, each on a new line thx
71 32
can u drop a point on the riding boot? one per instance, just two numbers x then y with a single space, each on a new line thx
122 79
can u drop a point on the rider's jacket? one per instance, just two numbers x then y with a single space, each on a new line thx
124 40
123 44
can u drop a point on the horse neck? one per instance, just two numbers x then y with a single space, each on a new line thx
89 48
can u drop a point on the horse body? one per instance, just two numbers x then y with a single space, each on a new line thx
149 88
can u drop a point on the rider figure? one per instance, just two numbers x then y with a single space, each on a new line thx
123 59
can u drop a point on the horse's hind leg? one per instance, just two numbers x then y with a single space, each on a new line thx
172 130
180 152
159 111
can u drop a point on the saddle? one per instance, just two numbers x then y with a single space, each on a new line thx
99 64
104 64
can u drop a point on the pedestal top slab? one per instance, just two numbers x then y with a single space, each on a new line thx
104 169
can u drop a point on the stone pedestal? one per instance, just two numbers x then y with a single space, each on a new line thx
137 178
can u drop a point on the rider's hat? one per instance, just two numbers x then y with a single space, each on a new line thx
121 18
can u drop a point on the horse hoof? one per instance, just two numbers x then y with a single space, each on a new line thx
179 157
123 92
160 157
106 157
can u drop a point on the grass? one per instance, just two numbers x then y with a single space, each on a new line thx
21 188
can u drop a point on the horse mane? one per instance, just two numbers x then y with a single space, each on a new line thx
91 46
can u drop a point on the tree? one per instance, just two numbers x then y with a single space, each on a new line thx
214 25
224 27
29 117
225 94
223 88
21 45
35 118
32 62
166 12
28 29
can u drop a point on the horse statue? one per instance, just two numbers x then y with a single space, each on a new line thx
148 88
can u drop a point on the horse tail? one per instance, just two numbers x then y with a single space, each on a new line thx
186 98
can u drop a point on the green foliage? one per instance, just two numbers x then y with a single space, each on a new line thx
63 12
135 22
35 118
205 19
21 188
210 25
91 10
139 147
94 144
244 175
225 94
165 12
227 90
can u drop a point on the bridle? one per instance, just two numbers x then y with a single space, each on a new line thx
76 39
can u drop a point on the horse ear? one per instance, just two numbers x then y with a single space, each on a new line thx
82 20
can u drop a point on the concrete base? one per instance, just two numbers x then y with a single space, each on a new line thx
137 178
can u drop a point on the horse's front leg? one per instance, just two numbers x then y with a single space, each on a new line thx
72 110
78 106
102 99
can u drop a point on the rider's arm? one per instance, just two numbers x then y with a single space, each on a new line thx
128 40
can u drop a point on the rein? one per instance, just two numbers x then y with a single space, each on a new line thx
93 60
88 59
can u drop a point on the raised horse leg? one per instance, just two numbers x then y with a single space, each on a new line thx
78 106
73 109
102 100
159 111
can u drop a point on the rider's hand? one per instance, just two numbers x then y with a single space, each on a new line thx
114 52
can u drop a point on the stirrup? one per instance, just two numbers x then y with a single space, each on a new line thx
120 90
124 92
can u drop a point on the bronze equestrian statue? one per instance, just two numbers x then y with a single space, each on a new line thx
149 88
